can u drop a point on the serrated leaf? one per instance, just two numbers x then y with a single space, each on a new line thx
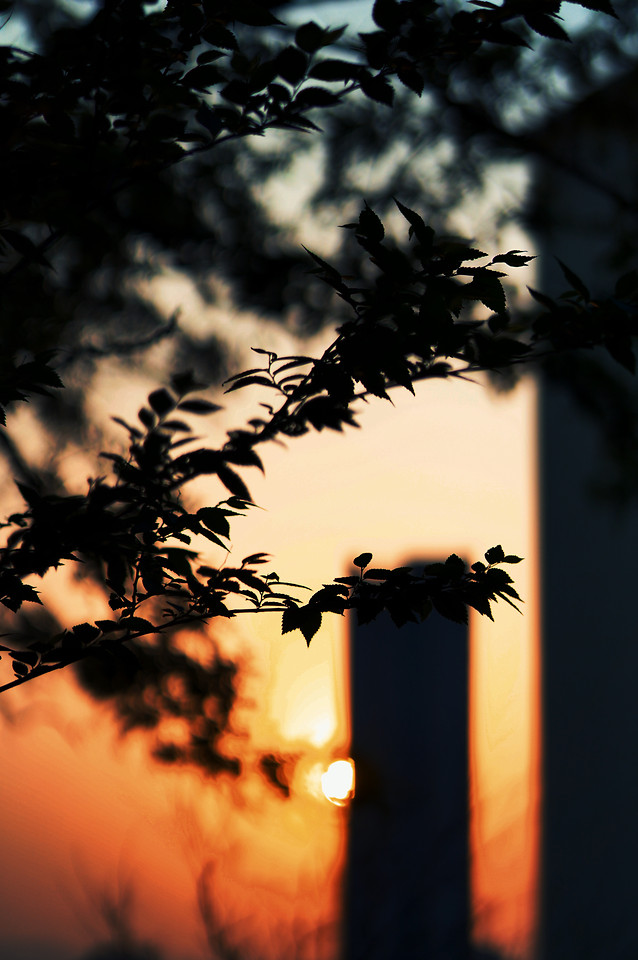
376 574
370 225
513 258
451 607
85 632
601 6
310 37
423 233
546 26
309 622
454 565
411 79
495 554
214 519
377 88
487 288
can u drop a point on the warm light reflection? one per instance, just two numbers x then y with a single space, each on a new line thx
337 783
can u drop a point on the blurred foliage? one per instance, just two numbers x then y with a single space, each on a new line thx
141 139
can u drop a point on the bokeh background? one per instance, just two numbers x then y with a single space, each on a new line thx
178 813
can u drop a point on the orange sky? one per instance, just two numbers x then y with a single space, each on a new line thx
449 471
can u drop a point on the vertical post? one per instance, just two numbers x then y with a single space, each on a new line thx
589 886
407 880
590 705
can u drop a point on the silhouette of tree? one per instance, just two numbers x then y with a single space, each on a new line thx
134 141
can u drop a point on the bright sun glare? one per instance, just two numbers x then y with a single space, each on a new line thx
337 783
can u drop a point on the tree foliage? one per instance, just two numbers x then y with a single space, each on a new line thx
111 124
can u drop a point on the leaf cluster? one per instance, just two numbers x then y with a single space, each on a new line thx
408 595
109 105
408 325
136 536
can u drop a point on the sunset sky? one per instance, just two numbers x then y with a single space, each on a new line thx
451 470
89 819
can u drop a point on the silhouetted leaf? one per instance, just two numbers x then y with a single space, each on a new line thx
574 280
377 88
29 657
315 97
334 70
215 519
546 26
243 457
370 225
603 6
306 618
146 417
450 606
310 37
251 381
137 625
291 64
514 258
198 406
374 574
454 566
256 558
209 119
233 482
86 632
253 14
487 288
495 555
424 234
387 14
161 401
